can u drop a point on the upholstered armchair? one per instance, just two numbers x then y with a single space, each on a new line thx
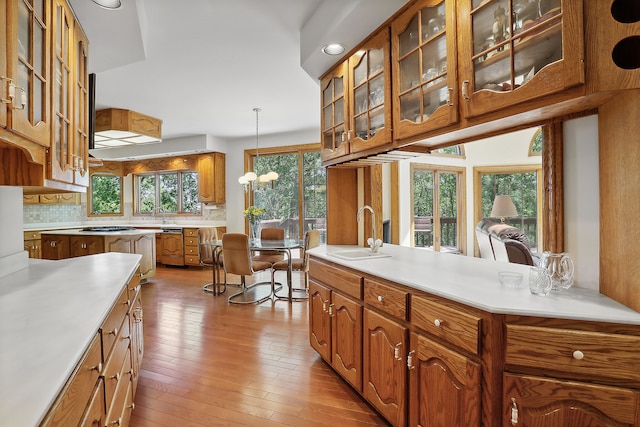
503 242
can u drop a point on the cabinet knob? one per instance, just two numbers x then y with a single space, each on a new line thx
449 92
465 90
437 323
98 367
117 422
114 332
380 298
116 376
578 355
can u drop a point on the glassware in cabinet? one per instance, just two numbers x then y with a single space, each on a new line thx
424 66
518 50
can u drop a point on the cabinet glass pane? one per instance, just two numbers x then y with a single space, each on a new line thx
433 99
328 115
433 21
339 87
376 61
410 106
361 99
328 140
434 59
24 44
38 97
490 26
23 82
38 47
338 112
376 94
38 8
362 126
376 117
360 71
337 136
410 72
409 39
327 94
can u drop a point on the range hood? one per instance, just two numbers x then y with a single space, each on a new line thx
115 127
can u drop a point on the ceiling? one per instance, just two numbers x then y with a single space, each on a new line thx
201 66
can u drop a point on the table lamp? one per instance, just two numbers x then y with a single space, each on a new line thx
503 207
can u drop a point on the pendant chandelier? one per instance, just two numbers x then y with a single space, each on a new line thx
251 180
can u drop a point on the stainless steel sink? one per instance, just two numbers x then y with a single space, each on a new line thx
356 254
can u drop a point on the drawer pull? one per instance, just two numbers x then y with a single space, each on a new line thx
116 376
98 367
331 313
578 355
127 302
325 306
396 351
380 298
514 412
437 323
410 360
114 332
117 422
132 406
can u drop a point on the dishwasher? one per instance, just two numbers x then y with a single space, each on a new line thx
172 252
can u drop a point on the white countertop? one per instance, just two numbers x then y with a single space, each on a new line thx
49 313
80 232
474 282
141 224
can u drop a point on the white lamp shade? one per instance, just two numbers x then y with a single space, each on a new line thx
264 178
503 207
250 176
273 176
242 180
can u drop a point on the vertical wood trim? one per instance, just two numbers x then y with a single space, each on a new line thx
553 187
342 205
373 198
619 157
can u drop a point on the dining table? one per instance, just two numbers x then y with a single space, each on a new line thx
261 290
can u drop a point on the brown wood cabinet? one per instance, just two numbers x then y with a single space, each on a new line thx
172 249
33 244
143 244
45 120
59 199
100 390
190 237
428 361
86 245
55 246
211 178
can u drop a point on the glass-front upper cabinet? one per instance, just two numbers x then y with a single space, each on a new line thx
424 67
334 113
369 94
513 51
80 142
24 72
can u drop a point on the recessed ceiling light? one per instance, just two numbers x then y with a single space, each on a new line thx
332 49
108 4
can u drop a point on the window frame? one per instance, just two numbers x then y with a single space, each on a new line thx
90 210
179 198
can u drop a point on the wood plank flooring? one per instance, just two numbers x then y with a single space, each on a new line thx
209 363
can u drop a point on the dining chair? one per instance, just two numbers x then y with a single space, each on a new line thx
311 240
273 234
237 260
206 256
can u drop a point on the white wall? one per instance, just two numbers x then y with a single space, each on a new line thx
582 199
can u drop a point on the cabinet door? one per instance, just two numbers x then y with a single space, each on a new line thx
370 94
80 137
346 339
137 338
172 249
384 374
319 320
55 247
545 402
511 58
25 77
86 245
444 386
145 246
335 125
61 162
424 67
211 178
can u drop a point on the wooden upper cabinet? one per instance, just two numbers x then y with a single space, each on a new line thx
25 70
80 141
512 52
334 122
211 178
369 94
424 47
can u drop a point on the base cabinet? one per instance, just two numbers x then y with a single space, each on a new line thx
444 386
135 244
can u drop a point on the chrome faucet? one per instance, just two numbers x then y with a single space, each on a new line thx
164 214
373 243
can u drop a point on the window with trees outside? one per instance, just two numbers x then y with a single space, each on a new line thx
523 184
106 195
438 196
162 193
299 192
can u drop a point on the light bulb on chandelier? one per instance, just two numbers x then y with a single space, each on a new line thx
251 180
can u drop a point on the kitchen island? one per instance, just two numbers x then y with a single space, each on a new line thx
59 321
69 243
420 333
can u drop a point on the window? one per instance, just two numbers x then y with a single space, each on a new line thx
537 143
524 185
167 192
299 192
438 198
105 192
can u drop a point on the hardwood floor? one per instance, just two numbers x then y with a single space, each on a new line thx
209 363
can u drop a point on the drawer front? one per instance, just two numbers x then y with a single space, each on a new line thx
95 415
112 324
451 324
338 279
191 260
133 287
31 235
593 354
114 365
191 241
75 396
119 411
191 232
388 299
191 250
